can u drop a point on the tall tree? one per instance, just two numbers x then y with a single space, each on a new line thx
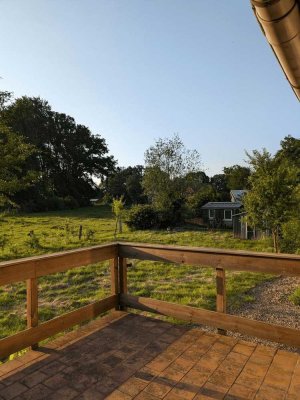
237 177
290 150
14 152
125 182
273 195
167 163
219 183
68 155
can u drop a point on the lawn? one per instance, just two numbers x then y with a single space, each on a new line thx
33 234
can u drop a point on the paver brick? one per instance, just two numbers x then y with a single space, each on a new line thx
13 390
133 386
34 378
238 392
141 358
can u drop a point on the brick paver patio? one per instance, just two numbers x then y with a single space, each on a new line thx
127 356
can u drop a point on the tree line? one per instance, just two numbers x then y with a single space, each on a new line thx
49 162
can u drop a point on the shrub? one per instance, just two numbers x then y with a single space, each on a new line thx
166 219
290 242
142 217
70 202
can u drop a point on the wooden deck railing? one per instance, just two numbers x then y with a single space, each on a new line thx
30 269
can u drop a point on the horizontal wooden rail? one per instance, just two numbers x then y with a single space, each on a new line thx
216 319
33 335
34 267
281 264
30 269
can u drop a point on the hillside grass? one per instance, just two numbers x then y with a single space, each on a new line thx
34 234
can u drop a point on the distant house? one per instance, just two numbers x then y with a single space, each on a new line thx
94 201
219 214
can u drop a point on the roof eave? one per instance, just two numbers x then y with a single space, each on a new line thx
280 23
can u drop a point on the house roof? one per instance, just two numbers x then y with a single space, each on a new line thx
238 194
241 214
214 205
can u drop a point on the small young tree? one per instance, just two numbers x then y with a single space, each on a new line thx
118 210
273 195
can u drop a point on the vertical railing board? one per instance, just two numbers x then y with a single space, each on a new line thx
32 305
114 276
221 294
122 279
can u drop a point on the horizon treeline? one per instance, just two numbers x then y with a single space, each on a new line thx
50 162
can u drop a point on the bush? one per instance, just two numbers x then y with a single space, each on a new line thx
142 217
166 219
290 242
70 202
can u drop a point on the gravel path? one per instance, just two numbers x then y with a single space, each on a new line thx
272 305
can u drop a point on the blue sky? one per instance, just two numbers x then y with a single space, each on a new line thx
137 70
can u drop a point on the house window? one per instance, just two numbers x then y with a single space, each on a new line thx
211 214
227 215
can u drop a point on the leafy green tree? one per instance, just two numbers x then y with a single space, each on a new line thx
14 152
237 177
290 150
273 195
126 182
219 183
5 97
167 163
68 155
204 195
196 181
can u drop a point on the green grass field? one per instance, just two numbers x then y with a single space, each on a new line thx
62 292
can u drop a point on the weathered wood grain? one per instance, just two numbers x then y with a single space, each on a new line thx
33 335
216 319
281 264
33 267
32 304
221 294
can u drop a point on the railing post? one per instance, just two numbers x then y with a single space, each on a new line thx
221 294
123 278
114 263
32 305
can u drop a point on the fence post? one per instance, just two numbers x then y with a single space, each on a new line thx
114 263
32 305
221 294
123 278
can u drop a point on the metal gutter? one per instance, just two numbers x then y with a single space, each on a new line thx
280 23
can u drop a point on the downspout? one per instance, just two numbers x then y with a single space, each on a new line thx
280 23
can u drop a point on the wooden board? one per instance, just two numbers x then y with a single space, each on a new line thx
281 264
33 267
216 319
47 329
